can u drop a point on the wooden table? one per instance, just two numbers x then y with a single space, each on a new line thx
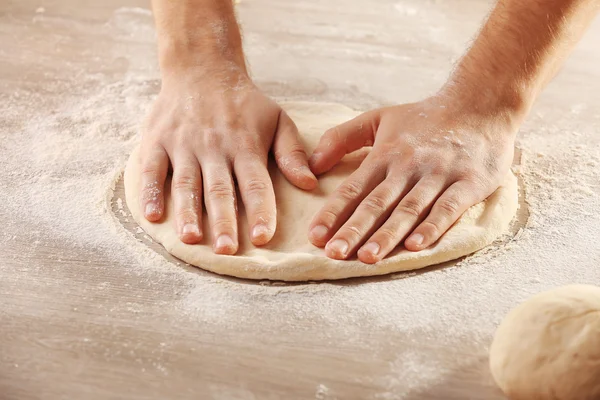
74 324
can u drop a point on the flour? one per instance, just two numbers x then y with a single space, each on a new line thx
59 169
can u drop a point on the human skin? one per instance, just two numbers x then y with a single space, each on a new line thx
433 159
430 161
211 123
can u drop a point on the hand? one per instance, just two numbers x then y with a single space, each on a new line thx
429 164
210 127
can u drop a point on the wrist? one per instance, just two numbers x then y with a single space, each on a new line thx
176 56
487 98
208 76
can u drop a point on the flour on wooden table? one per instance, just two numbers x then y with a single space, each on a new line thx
58 176
59 168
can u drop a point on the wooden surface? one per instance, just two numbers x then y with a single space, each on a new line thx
76 324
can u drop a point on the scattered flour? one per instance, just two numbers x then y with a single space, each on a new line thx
61 166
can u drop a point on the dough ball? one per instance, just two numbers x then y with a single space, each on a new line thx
549 346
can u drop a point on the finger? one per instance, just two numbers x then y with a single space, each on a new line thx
154 168
258 196
220 205
341 204
290 155
187 198
343 139
445 212
411 209
369 214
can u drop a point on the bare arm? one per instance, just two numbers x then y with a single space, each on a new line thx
198 34
211 124
519 50
433 159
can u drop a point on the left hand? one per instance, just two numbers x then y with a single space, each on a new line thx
210 132
429 163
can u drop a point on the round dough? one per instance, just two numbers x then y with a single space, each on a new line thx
290 256
548 348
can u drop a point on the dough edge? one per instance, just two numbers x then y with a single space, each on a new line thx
461 240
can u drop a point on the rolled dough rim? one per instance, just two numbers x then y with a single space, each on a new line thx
308 267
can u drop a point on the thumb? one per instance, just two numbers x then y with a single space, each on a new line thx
344 139
290 155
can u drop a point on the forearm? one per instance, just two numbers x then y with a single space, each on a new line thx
518 51
199 34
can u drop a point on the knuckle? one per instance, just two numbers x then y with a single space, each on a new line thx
350 190
410 206
185 182
439 170
153 167
476 182
386 235
251 157
250 142
150 170
255 186
413 163
449 206
211 138
220 188
375 204
464 174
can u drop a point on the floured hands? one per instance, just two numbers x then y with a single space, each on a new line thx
429 163
211 127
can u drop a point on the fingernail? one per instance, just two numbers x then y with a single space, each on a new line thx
151 209
190 229
315 158
417 239
372 248
224 241
338 246
260 230
319 232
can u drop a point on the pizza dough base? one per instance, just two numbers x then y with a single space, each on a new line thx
548 348
290 256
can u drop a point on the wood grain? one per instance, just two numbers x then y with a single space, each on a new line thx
76 324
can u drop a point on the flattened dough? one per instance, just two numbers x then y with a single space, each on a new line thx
290 256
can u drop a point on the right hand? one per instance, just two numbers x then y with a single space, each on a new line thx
210 127
430 161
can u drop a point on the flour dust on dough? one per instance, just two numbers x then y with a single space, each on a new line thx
290 256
